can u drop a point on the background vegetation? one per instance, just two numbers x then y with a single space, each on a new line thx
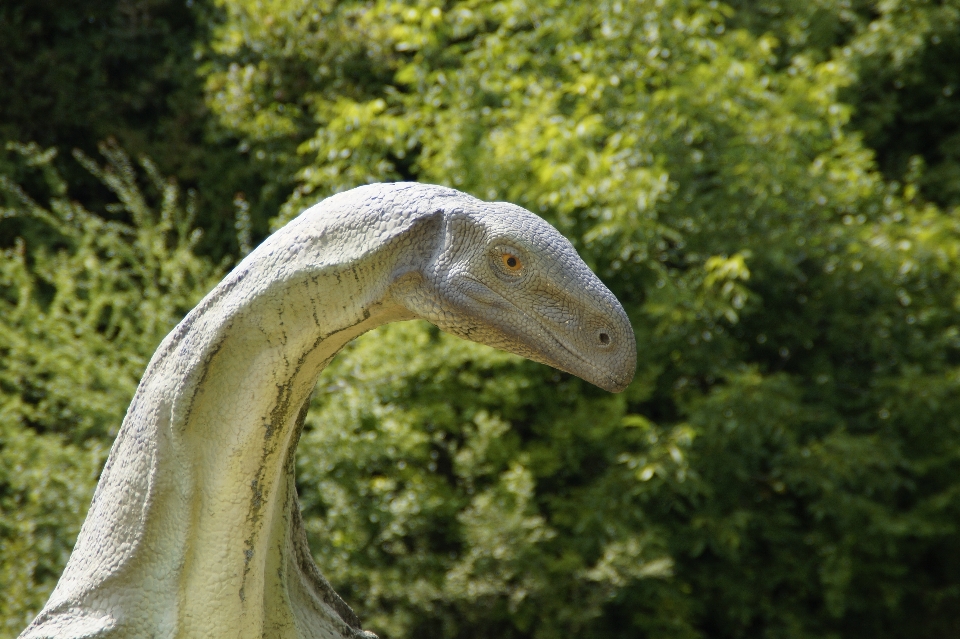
771 188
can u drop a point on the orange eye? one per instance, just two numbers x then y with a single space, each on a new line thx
512 262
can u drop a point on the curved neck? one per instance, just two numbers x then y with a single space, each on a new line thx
195 529
241 432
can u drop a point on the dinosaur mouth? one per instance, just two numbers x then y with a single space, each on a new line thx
594 374
611 383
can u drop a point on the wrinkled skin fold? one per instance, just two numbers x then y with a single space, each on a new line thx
195 529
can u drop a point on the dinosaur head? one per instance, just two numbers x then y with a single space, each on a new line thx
504 277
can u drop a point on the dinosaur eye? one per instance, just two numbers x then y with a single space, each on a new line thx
511 262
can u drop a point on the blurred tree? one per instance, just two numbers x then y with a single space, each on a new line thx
785 464
906 57
78 73
80 316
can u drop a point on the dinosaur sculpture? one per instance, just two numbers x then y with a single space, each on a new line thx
195 529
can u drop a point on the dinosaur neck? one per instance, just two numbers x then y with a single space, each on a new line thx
195 529
239 439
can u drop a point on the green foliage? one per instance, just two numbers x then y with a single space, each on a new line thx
908 99
80 316
906 55
425 455
79 72
785 464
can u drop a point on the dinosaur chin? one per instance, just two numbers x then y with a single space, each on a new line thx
195 528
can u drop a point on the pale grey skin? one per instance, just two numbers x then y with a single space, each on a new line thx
195 528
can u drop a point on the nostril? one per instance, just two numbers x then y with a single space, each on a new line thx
604 339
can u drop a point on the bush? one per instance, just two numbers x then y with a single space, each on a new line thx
784 464
82 307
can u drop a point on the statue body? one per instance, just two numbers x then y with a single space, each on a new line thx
195 529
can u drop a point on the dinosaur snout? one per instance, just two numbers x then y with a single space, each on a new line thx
593 334
611 347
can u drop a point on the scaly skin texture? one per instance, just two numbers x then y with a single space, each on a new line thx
195 529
